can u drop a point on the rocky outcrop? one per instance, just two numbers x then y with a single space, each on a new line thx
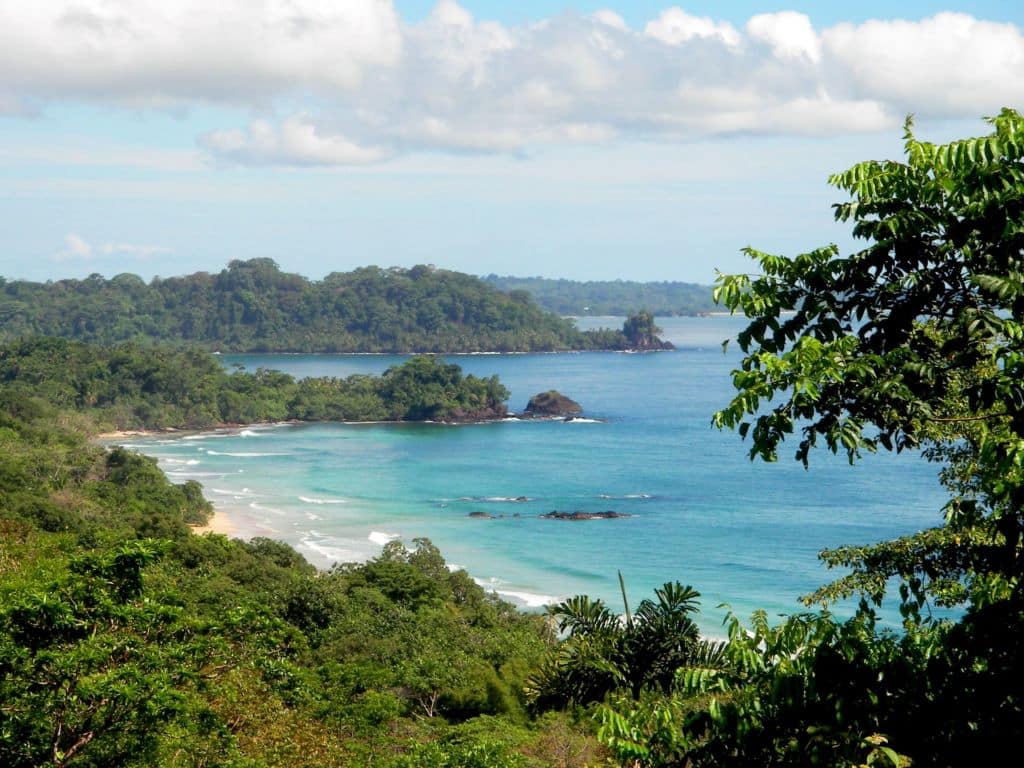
551 404
642 334
609 515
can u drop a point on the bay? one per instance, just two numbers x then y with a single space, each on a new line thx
743 533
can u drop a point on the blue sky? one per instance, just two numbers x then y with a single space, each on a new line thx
634 140
638 12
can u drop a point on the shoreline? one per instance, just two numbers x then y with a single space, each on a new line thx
218 523
119 434
237 522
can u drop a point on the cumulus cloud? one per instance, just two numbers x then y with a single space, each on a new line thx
949 65
675 27
610 18
789 34
158 53
343 83
76 248
297 141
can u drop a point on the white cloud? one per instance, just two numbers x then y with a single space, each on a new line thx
675 27
343 83
789 34
610 19
297 141
132 249
159 53
950 65
76 248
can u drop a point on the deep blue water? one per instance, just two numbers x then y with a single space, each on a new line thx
742 533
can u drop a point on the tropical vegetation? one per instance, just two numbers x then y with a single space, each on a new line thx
915 341
128 640
146 387
610 297
252 306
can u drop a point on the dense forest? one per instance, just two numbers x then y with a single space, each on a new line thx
252 306
127 640
147 387
610 297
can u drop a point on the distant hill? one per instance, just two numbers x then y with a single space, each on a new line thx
252 306
610 297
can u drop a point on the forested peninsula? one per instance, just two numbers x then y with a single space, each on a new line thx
252 306
610 297
153 387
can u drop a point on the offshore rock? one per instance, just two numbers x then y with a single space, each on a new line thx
609 515
551 404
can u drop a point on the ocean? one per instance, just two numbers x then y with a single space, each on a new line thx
745 534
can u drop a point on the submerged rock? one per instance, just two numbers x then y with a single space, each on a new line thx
551 404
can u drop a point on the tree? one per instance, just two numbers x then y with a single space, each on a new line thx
915 341
603 654
92 672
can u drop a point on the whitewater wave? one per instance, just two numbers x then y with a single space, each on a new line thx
494 499
245 493
381 538
207 436
519 597
249 433
314 500
332 550
271 510
626 496
582 420
528 599
242 454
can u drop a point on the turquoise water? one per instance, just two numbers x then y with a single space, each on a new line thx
742 533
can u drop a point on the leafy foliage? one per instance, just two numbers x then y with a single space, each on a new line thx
603 654
117 648
610 297
136 386
912 342
251 306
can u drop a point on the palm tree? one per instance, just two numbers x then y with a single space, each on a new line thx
602 652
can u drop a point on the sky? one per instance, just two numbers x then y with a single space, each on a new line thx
623 139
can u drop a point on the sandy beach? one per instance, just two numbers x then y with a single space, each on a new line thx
218 523
118 434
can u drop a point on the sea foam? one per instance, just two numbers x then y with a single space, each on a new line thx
242 454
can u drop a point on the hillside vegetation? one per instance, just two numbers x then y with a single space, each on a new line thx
610 297
127 640
252 306
146 387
